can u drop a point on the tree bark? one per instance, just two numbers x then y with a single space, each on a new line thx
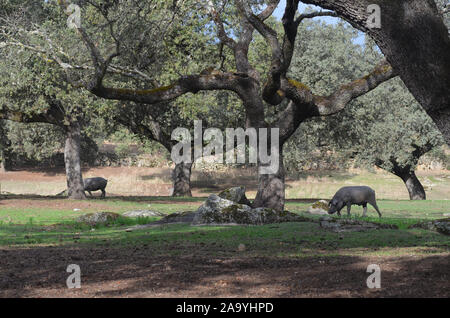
415 188
3 164
181 176
75 185
271 188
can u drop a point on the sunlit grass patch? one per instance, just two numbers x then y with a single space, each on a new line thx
31 226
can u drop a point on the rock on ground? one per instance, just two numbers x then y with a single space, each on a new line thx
177 217
236 194
351 225
442 226
217 210
142 213
319 208
62 193
98 218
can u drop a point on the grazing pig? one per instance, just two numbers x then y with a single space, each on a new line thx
346 196
95 184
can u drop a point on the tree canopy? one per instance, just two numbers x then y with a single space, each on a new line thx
156 53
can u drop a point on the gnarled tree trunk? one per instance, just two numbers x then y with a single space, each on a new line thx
181 176
75 185
271 188
415 188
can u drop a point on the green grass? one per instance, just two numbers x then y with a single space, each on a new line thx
288 239
407 212
46 216
400 213
40 226
324 184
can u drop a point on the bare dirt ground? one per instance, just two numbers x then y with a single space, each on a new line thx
135 272
140 181
123 181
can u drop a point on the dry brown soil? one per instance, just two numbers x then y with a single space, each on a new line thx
135 272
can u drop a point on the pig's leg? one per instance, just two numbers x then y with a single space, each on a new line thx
364 209
103 193
349 207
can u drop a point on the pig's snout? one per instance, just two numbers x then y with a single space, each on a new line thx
331 209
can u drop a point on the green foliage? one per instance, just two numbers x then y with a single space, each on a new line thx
43 145
442 154
34 142
166 40
386 127
32 83
170 39
444 8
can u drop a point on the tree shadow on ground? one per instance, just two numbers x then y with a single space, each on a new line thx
216 186
209 187
136 272
165 175
134 198
155 199
30 197
335 175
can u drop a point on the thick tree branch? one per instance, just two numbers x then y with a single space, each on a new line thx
325 106
267 32
188 84
241 50
247 29
280 65
268 11
419 151
311 15
304 104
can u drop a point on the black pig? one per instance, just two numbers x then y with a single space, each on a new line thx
95 184
346 196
